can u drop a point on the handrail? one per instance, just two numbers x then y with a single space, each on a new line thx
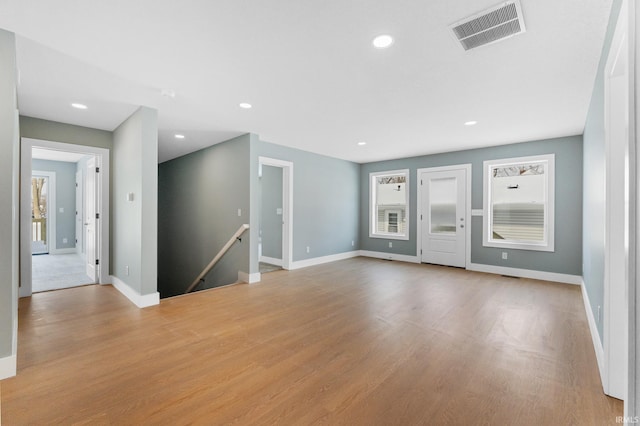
221 253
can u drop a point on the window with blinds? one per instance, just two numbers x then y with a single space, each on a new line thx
389 204
518 198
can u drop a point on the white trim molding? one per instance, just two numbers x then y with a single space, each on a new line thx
324 259
595 336
8 366
271 260
102 245
526 273
245 277
390 256
140 300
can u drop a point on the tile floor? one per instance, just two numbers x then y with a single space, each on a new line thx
56 271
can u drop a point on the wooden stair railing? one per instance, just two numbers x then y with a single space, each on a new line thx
215 260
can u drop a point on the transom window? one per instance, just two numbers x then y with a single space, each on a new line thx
389 202
519 203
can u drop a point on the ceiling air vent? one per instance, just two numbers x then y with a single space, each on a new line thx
491 25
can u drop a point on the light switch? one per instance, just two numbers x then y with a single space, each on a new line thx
130 196
61 209
279 211
239 212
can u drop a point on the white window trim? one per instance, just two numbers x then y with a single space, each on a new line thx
373 213
549 211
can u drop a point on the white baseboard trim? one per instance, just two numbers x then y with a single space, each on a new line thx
323 259
271 260
140 300
526 273
70 250
8 366
249 278
595 336
390 256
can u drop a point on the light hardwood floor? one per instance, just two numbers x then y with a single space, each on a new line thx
357 342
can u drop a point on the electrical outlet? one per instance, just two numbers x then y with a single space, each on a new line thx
65 241
505 255
61 209
598 319
390 244
307 249
126 270
353 243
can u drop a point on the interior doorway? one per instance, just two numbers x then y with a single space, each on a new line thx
271 219
275 236
73 176
443 215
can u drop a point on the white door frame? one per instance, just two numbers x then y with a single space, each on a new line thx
79 214
287 205
467 213
616 282
51 207
102 231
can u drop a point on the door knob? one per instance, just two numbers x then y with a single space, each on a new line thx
461 226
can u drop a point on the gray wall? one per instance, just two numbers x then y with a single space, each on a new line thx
9 167
36 128
594 183
325 201
65 198
270 220
135 223
567 257
199 197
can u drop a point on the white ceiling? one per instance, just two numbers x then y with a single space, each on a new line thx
310 71
54 155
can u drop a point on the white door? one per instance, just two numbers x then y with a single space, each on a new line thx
90 219
443 199
79 215
616 270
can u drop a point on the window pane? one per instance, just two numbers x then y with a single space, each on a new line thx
518 202
391 204
442 197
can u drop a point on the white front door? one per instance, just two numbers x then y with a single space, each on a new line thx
90 218
443 212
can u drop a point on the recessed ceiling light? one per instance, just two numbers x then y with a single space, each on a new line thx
382 41
245 105
179 136
79 106
362 143
471 123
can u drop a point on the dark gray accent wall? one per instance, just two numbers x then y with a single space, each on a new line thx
325 201
199 197
9 167
270 219
65 199
594 182
567 257
134 242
